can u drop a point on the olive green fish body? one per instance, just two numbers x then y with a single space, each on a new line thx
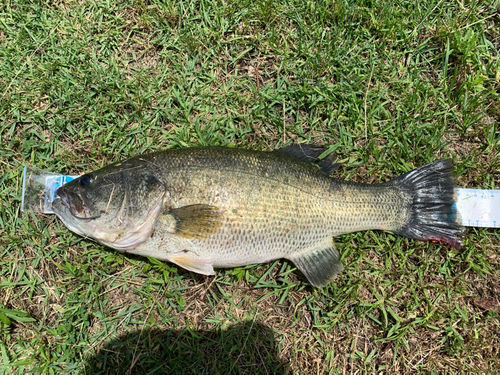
271 205
204 208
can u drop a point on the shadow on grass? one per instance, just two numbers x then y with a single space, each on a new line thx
247 348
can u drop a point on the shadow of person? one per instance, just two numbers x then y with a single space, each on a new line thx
247 348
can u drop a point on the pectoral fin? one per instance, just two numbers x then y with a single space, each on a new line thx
319 265
202 266
197 221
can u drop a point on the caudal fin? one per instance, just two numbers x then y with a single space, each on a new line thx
434 214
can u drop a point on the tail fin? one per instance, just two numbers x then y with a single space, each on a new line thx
434 214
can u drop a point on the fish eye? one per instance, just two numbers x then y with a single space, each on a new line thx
85 180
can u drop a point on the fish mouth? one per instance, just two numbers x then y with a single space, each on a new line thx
77 204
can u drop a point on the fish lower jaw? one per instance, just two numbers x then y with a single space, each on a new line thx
122 240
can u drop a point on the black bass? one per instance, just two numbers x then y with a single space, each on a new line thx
215 207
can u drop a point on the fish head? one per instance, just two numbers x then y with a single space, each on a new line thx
117 205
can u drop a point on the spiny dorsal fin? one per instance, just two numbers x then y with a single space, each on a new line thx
310 154
319 265
197 221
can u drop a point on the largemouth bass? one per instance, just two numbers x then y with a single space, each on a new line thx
215 207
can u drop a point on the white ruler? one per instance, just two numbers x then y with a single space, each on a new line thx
479 207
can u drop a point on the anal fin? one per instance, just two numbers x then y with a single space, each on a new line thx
319 264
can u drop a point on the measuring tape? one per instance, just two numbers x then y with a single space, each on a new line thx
39 189
479 208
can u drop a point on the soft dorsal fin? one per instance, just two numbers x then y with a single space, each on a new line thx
197 221
310 154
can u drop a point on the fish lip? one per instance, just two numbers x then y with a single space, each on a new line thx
75 211
64 197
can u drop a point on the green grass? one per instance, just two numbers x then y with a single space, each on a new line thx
387 86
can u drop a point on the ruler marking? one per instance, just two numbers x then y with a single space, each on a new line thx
478 207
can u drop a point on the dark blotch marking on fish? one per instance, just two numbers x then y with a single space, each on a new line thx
336 187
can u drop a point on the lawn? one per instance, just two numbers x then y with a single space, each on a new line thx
387 86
